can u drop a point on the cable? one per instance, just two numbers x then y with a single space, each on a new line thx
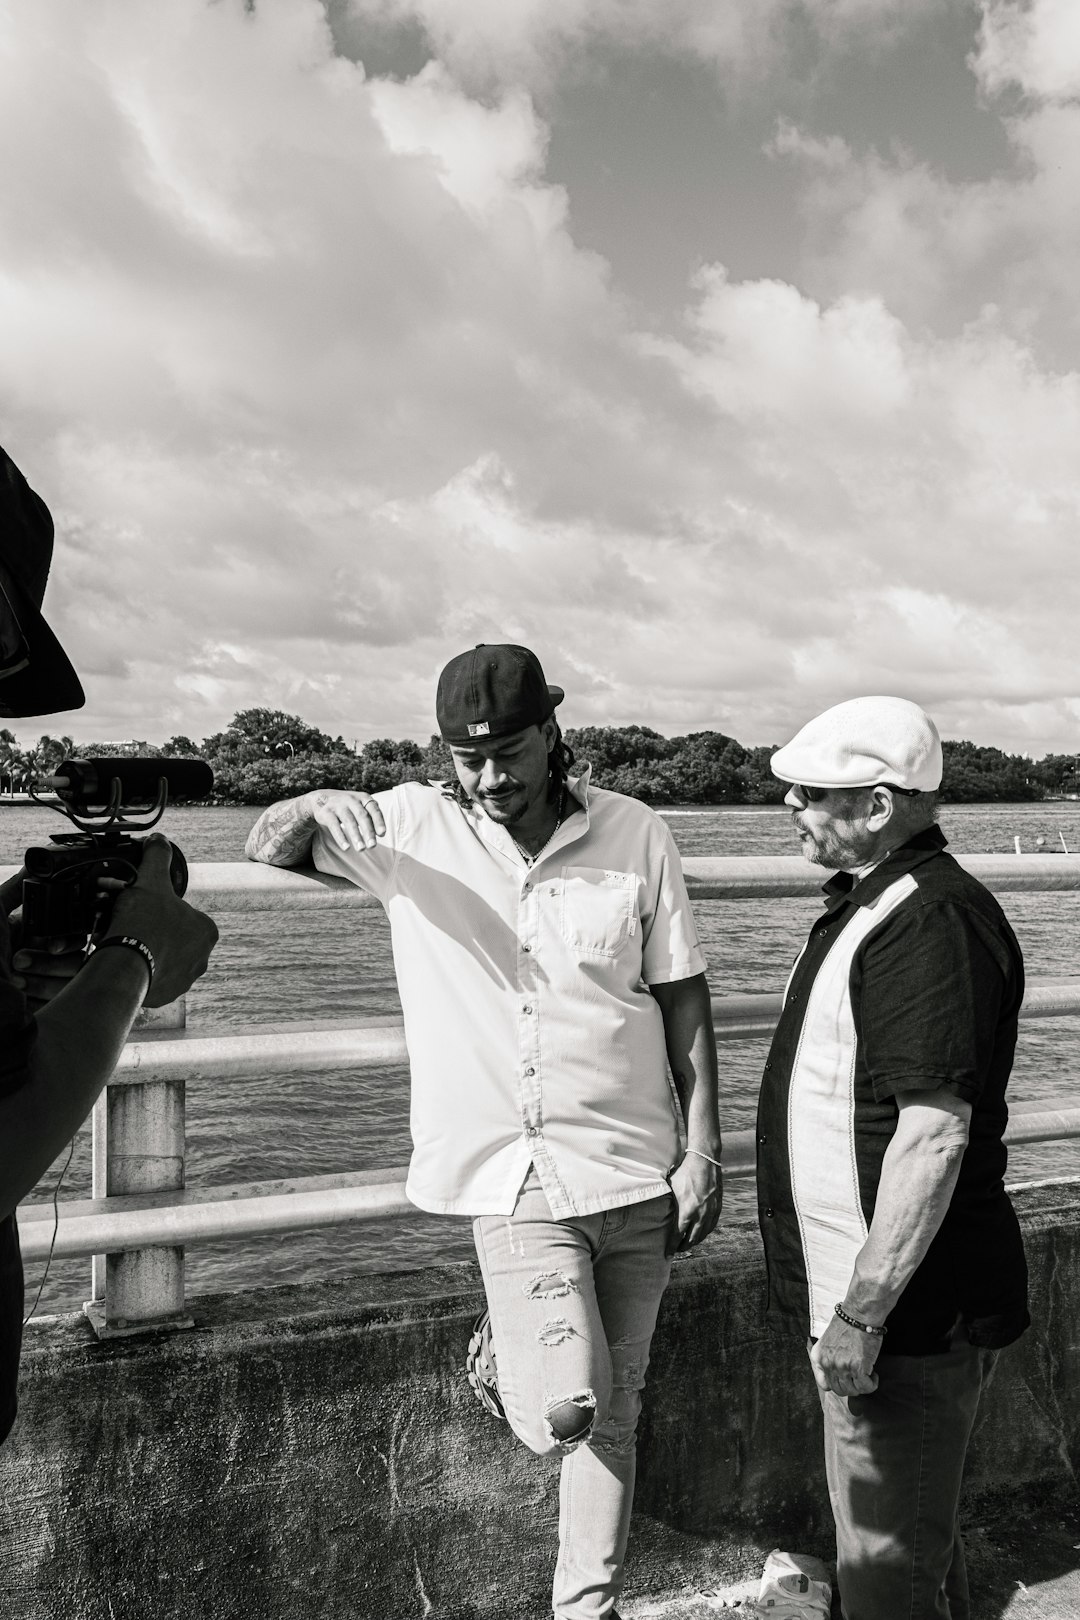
56 1228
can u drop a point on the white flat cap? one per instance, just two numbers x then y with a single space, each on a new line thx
866 740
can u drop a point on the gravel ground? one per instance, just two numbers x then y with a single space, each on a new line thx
1023 1563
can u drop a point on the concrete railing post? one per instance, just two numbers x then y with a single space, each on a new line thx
139 1147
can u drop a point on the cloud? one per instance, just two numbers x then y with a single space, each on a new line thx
938 250
1034 46
321 388
534 42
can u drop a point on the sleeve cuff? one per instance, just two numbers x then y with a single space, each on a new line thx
677 971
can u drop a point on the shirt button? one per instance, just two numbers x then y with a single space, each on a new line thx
762 1141
794 996
769 1064
526 1009
531 1130
526 947
529 1073
768 1212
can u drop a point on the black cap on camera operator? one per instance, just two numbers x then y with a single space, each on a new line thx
62 1031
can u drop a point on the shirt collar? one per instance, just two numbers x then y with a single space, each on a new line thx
499 837
579 787
842 887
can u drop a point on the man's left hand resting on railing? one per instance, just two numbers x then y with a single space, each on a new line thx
54 1064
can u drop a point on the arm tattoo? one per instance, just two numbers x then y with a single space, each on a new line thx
282 835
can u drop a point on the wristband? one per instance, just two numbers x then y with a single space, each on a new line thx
130 942
864 1327
706 1156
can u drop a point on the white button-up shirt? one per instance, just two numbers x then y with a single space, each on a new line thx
533 1038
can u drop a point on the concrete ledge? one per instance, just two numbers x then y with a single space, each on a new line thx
315 1452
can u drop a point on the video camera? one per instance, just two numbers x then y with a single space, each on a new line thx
99 796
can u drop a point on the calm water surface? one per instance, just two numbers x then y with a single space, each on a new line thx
294 966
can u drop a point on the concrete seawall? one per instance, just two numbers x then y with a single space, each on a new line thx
315 1452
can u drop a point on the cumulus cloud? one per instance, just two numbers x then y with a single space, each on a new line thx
942 250
535 41
1034 46
321 388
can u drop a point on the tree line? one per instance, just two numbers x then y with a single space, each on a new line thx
265 754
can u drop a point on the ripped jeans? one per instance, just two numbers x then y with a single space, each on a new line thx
573 1306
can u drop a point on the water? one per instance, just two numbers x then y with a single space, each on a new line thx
297 966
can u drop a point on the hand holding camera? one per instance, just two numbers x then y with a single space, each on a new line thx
104 882
179 937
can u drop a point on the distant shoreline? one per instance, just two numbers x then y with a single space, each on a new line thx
21 800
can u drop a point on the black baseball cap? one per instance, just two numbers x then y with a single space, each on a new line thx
492 690
36 675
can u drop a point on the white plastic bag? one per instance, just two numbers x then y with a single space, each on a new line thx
794 1586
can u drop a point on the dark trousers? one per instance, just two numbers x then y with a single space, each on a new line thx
894 1461
11 1314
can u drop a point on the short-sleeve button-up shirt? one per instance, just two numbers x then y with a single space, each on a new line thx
910 981
533 1038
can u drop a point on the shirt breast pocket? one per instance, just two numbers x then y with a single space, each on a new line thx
598 911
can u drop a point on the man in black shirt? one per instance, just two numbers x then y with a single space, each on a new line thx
888 1232
61 1036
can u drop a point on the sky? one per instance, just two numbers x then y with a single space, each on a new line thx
728 355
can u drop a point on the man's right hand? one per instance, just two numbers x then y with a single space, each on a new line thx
179 937
350 818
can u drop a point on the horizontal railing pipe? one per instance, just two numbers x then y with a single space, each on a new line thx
251 886
327 1046
769 877
333 1201
202 1214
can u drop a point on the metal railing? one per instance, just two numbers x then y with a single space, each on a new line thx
141 1214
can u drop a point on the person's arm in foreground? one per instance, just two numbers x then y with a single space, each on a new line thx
918 1177
686 1008
283 835
82 1030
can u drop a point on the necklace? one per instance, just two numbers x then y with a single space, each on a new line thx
530 859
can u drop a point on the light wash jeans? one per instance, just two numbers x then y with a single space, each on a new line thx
894 1461
573 1306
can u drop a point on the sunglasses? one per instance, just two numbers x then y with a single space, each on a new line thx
814 795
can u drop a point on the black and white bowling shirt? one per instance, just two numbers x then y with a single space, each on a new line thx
911 980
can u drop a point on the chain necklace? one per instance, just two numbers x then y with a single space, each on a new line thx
529 859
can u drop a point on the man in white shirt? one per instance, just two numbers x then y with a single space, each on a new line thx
550 972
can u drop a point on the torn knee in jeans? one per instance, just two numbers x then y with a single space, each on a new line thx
556 1330
549 1285
568 1419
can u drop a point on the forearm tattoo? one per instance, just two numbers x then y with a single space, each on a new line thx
282 835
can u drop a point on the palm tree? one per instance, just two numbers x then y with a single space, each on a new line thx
9 747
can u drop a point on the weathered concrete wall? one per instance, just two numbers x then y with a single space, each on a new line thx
314 1453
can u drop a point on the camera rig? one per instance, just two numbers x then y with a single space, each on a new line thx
113 804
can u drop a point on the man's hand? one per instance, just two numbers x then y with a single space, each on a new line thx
180 937
843 1359
41 973
698 1186
349 818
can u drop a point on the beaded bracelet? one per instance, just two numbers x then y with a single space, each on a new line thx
132 944
864 1327
705 1156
